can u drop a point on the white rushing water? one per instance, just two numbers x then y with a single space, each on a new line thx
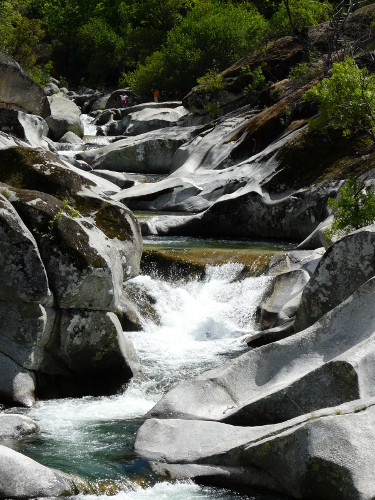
200 324
88 126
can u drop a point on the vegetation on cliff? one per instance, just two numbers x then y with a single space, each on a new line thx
165 43
352 209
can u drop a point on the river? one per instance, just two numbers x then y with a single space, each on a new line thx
195 324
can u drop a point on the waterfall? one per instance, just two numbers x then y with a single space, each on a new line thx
194 326
88 127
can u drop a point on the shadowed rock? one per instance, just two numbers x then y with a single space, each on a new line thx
18 90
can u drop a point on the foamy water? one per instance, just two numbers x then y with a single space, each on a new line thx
200 325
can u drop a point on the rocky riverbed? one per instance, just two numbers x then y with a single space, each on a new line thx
256 373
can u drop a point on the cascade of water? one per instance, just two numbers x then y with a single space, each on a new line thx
88 127
196 325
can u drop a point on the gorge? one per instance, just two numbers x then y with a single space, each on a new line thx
174 322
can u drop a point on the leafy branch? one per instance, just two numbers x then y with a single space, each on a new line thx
65 211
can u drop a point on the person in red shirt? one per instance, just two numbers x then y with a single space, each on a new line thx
156 95
124 100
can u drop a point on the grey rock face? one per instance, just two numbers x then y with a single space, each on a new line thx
325 455
277 309
22 273
234 196
121 179
51 88
345 266
100 103
152 152
22 477
282 380
318 237
30 128
17 385
70 138
26 329
71 339
18 90
84 334
150 119
16 426
282 299
65 117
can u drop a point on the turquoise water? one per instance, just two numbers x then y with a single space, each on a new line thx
94 437
187 242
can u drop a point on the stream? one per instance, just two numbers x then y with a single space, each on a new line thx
199 324
196 324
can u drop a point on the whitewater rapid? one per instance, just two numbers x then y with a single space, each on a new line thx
196 325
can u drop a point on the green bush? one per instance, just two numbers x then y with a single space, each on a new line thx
214 109
149 75
19 35
303 73
303 13
353 208
346 100
210 38
211 81
258 79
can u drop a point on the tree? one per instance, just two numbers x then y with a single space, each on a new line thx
294 17
346 100
210 37
339 41
352 209
19 35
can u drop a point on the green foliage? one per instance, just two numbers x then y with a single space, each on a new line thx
214 109
209 38
211 81
257 79
5 193
294 16
96 40
354 208
19 35
346 100
66 211
42 75
148 76
303 73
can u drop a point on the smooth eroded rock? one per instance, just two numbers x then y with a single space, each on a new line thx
18 90
22 477
345 266
16 426
282 380
327 454
65 117
17 385
22 273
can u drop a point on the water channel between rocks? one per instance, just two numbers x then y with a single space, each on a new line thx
197 323
201 325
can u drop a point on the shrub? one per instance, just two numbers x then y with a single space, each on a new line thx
346 100
211 81
257 79
303 72
210 38
303 13
353 208
214 109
